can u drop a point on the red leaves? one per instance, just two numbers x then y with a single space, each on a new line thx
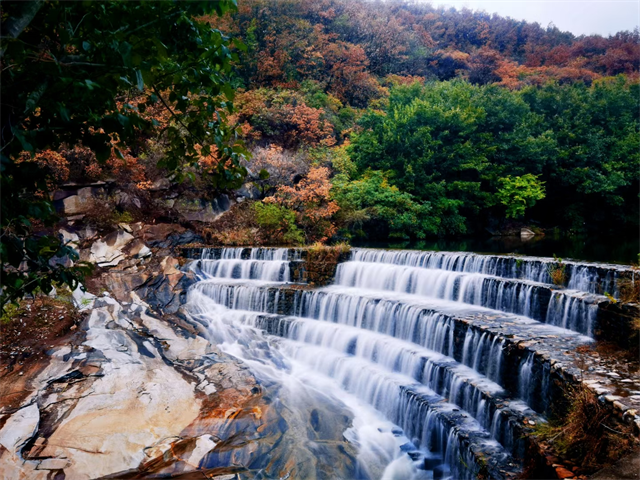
311 199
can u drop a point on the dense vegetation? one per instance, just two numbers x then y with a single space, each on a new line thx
440 122
84 86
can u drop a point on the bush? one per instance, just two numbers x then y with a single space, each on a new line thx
557 271
279 223
372 199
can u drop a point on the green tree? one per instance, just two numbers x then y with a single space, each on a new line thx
69 72
279 222
372 200
519 193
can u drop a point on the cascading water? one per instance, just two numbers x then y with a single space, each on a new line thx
390 341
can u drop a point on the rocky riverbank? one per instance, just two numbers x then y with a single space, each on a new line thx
133 388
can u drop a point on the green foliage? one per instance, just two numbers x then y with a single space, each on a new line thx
519 193
31 263
70 70
371 199
471 150
279 222
10 312
124 217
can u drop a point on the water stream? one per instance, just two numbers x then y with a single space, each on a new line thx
394 341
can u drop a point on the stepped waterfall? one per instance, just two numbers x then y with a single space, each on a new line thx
415 344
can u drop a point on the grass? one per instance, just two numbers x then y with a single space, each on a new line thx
589 434
319 252
557 271
10 312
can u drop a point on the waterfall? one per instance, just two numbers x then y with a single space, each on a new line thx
410 341
273 271
590 278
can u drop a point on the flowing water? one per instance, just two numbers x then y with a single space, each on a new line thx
398 339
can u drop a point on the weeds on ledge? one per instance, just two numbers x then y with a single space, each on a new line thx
557 271
588 434
319 252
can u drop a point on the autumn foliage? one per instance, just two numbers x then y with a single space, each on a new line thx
347 45
311 199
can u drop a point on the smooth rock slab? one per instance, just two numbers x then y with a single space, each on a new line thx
108 251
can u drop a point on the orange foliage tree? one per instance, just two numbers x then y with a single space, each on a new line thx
310 199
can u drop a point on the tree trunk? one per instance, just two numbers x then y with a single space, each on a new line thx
14 25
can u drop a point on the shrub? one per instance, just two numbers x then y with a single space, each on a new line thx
373 200
557 271
310 199
279 222
520 193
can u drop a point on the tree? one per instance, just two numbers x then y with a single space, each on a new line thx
69 73
382 208
311 199
520 193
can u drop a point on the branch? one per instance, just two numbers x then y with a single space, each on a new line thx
14 26
175 116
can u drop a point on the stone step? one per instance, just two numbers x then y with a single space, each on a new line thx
557 357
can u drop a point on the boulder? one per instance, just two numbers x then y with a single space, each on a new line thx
137 249
88 233
126 200
161 184
526 233
107 252
157 235
248 190
69 238
78 203
202 210
167 235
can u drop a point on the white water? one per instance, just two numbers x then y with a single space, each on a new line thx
382 341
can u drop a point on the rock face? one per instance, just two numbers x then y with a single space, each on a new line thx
108 252
98 404
202 210
139 392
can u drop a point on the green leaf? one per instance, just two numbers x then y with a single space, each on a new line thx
140 80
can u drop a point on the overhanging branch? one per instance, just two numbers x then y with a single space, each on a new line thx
13 26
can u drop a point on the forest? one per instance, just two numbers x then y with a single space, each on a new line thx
437 122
